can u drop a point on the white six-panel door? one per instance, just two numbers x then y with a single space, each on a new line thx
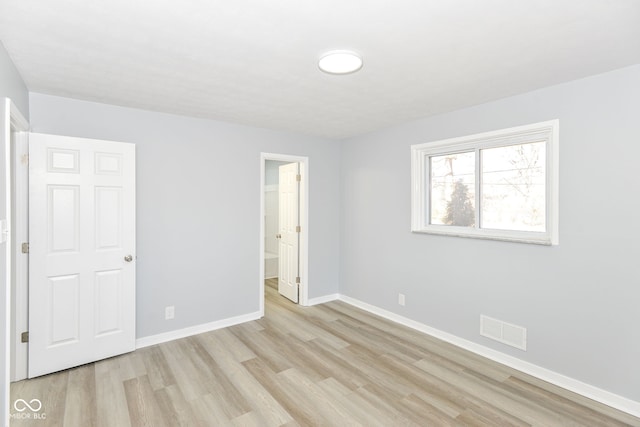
82 251
289 212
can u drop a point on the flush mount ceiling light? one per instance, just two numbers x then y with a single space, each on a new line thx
340 62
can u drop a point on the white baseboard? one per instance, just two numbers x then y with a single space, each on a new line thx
323 299
194 330
610 399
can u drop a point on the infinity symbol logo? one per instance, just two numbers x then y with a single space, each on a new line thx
21 405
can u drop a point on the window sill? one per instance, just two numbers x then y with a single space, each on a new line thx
500 235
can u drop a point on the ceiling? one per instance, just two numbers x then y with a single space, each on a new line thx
254 62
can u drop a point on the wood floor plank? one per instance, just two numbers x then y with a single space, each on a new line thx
486 395
301 412
557 403
50 390
112 406
156 367
378 397
259 343
287 319
423 413
365 411
472 418
237 350
338 363
174 408
326 410
80 405
218 384
208 411
144 410
326 365
262 402
250 419
265 407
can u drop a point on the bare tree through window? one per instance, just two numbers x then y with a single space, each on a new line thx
499 185
453 189
513 187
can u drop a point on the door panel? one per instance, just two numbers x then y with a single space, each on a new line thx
109 298
63 207
62 310
108 221
289 190
82 225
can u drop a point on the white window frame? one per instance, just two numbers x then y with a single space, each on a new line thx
538 132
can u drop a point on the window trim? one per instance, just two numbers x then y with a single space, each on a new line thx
547 131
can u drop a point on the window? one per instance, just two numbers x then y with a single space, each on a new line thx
500 185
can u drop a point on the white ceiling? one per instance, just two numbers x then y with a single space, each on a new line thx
255 62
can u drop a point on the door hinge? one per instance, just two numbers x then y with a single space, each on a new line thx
24 337
298 177
298 228
298 280
25 159
25 248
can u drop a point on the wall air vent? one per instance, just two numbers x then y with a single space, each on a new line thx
506 333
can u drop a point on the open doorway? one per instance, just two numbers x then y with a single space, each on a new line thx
271 218
284 248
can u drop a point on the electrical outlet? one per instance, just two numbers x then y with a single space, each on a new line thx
401 299
169 312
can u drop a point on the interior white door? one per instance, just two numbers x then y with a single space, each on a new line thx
288 231
81 251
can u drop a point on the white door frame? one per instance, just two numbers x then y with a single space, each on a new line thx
11 120
304 223
20 288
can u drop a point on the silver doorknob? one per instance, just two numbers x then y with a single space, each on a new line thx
128 258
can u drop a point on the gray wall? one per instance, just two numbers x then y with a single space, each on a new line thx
579 300
272 171
11 86
198 206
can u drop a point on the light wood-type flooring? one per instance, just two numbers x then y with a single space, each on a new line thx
329 365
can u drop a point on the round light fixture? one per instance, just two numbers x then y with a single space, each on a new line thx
340 62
